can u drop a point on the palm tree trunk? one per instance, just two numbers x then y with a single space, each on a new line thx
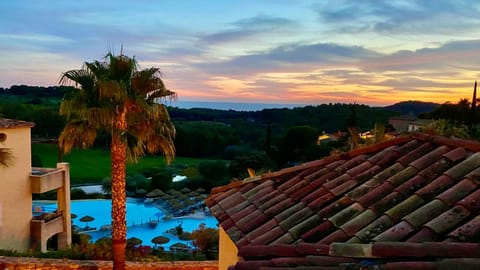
119 228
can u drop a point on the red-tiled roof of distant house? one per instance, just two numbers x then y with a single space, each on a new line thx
406 203
11 123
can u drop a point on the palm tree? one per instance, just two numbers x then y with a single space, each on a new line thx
114 96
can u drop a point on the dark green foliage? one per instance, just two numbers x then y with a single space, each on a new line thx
459 112
206 240
77 193
36 161
254 160
161 179
215 170
298 145
414 108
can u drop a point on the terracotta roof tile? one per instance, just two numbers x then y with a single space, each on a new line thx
336 236
407 191
358 222
261 230
268 250
295 218
375 181
424 235
346 214
258 188
405 207
231 201
286 213
398 232
415 154
327 260
12 123
278 206
360 168
314 194
312 249
471 202
318 232
448 220
304 226
429 158
251 221
269 236
469 232
286 238
440 184
426 213
457 192
375 194
243 213
227 224
237 208
375 228
464 167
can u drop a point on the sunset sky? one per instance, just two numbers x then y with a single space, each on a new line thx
270 51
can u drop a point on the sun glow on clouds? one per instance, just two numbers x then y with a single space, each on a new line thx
374 52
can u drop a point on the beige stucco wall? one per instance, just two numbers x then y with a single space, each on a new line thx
227 254
15 194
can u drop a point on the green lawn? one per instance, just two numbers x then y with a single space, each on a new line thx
91 165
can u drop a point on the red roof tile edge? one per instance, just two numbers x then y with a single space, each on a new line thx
12 123
315 163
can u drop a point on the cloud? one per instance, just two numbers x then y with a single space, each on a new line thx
440 58
260 26
293 56
400 17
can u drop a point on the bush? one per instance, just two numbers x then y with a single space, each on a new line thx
215 170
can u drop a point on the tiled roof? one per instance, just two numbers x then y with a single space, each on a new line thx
408 203
11 123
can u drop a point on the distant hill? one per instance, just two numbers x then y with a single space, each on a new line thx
412 107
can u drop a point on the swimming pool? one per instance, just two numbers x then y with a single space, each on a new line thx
138 216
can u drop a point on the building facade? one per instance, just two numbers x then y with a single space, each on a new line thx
19 229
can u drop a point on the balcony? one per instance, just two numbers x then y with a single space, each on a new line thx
44 179
44 226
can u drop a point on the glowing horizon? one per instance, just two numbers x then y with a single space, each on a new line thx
287 52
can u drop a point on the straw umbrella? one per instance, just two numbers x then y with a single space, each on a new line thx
200 190
154 193
133 241
87 219
160 240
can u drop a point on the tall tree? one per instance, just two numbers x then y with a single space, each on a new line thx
115 96
473 109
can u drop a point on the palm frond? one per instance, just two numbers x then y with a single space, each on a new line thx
77 134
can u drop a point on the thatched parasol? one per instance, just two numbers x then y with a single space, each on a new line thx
200 190
160 240
87 219
140 192
104 240
133 241
185 190
155 193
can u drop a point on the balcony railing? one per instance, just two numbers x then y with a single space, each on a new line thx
44 179
44 226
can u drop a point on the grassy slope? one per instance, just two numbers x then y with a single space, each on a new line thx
91 166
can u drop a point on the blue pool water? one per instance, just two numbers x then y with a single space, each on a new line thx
138 215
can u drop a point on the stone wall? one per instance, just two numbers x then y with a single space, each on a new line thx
21 263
